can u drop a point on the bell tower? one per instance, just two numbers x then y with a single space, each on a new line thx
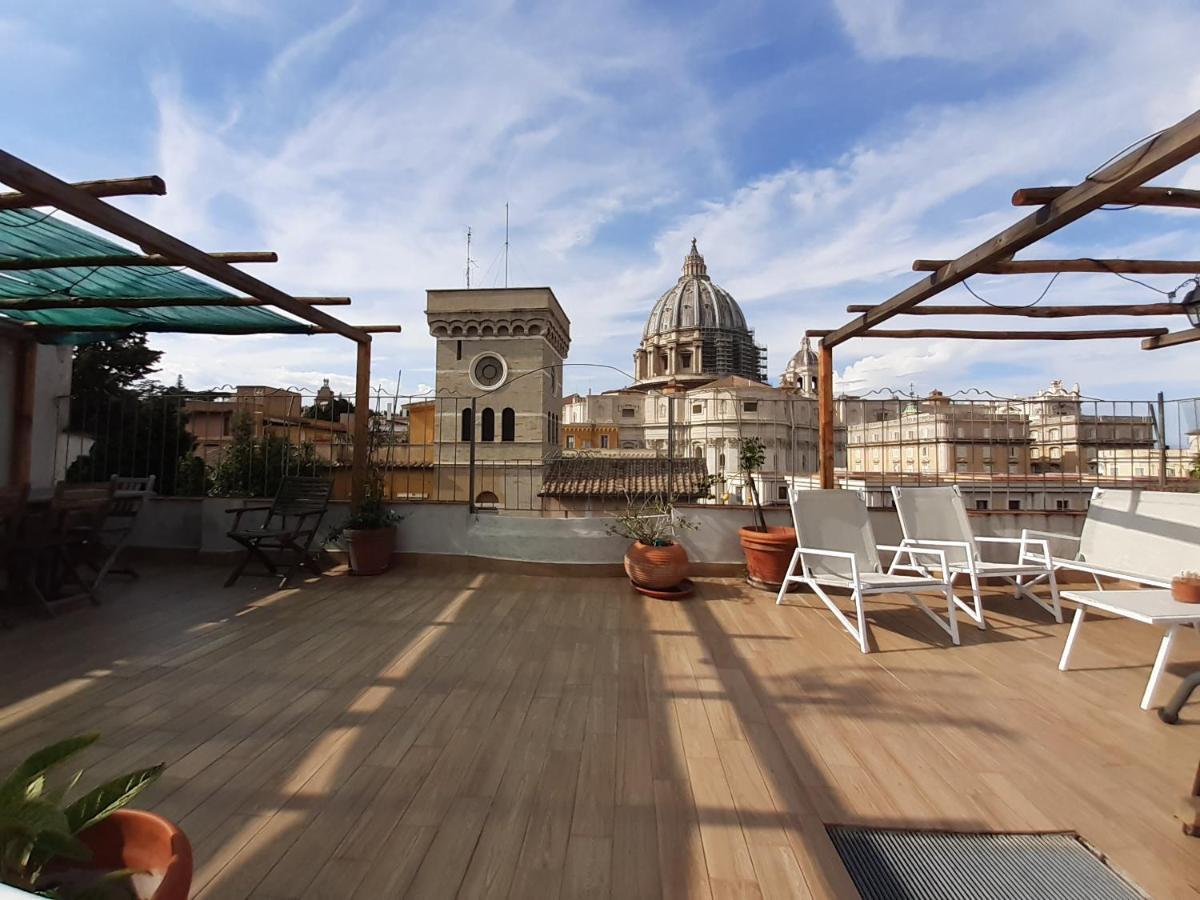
499 372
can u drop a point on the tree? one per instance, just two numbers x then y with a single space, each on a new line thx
254 467
328 410
137 426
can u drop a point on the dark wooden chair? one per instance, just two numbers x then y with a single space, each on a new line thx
291 523
128 497
77 515
12 517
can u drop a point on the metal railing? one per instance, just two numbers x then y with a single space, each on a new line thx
1044 453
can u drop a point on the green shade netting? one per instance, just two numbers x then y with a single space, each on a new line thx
26 234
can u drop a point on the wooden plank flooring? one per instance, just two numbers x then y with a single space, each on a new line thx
456 733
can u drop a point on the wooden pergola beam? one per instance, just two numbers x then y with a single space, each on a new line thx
1002 335
1140 196
1165 151
1173 339
112 187
100 262
1054 266
19 174
378 329
38 326
1039 312
155 302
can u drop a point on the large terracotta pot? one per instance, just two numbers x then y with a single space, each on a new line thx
657 568
768 554
150 845
1185 590
371 549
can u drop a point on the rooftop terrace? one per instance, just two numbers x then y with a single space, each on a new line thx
449 732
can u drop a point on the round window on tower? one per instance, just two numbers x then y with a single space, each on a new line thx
488 371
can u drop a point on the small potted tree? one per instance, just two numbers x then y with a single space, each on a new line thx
657 565
768 548
92 846
369 533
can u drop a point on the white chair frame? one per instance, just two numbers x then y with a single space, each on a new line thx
1027 566
899 584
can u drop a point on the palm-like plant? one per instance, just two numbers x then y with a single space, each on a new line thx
752 455
37 829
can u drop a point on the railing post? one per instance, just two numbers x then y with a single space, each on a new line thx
471 460
1162 441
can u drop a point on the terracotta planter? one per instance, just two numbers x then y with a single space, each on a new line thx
768 554
148 844
657 568
371 549
1186 590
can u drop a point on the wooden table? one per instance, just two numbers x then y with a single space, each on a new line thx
1154 606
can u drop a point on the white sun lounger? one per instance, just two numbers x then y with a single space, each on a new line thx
836 548
937 517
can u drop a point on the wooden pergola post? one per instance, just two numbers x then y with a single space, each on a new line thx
825 414
362 412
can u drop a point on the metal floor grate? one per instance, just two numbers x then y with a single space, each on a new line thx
935 865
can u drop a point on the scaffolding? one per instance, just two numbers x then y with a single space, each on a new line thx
732 352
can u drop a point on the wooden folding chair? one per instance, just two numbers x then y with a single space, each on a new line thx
129 495
291 523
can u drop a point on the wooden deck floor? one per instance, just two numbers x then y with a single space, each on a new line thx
453 733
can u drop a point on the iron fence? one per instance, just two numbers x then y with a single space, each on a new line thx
1042 453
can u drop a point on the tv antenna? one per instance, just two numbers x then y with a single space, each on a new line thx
468 256
506 243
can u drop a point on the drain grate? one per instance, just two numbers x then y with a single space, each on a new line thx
889 864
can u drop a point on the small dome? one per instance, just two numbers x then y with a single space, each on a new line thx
694 302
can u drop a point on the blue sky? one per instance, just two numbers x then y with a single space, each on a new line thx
814 149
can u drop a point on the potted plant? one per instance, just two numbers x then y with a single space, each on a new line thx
1185 587
90 847
369 533
655 562
768 548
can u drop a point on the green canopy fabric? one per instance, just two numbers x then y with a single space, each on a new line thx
28 234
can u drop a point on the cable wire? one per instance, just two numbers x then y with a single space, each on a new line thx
1039 299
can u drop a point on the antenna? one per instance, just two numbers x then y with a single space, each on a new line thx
506 243
468 256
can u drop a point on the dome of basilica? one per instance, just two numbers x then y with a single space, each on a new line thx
694 302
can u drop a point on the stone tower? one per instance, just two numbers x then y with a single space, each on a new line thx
499 372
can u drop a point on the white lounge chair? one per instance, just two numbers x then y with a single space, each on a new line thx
836 548
1147 537
937 517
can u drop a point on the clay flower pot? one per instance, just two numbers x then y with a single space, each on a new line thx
657 568
370 549
768 554
157 851
1185 590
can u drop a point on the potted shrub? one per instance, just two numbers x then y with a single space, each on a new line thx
369 533
654 562
1185 587
90 847
768 548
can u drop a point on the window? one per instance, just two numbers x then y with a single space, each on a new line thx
604 442
468 423
685 361
570 442
697 407
1060 505
698 452
628 412
981 504
925 451
783 492
1139 472
1014 504
508 425
458 350
488 371
749 406
721 461
487 427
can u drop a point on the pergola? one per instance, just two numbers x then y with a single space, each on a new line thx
63 284
1121 181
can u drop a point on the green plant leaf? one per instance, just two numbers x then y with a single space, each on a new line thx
41 762
32 818
97 804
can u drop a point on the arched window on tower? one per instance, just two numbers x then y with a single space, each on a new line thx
508 424
487 425
468 422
